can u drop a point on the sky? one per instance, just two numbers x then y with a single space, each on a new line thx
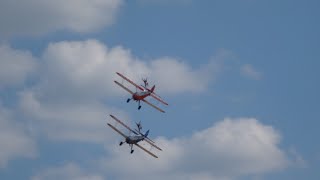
240 78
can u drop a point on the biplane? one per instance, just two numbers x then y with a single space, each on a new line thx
143 92
136 138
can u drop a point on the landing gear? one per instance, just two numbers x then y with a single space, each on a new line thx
131 145
139 107
128 100
120 143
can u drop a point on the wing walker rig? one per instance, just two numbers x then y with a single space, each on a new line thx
136 135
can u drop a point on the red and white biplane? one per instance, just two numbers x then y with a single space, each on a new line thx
143 92
134 139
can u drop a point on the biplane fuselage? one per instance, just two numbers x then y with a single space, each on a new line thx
134 139
138 96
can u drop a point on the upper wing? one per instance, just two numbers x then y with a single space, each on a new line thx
124 125
153 105
117 130
146 150
125 78
124 87
158 98
152 144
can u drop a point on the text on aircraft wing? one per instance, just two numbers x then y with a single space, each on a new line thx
119 84
146 150
117 130
152 105
125 78
158 98
152 144
124 125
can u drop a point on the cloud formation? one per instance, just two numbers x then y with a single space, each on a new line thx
249 71
16 66
14 141
38 17
87 69
68 171
229 149
75 79
79 122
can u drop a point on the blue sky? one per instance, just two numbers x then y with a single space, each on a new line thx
240 78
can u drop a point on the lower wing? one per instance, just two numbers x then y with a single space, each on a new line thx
158 98
151 143
153 105
146 150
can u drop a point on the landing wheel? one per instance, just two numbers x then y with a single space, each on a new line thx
120 143
139 107
131 151
128 100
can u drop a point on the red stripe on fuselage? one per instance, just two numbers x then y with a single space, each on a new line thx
140 95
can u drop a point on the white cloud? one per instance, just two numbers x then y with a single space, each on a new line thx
75 79
68 171
229 149
249 71
14 141
87 69
66 103
15 67
81 122
37 17
175 76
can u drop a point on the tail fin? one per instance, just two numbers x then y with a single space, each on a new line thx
152 89
146 134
